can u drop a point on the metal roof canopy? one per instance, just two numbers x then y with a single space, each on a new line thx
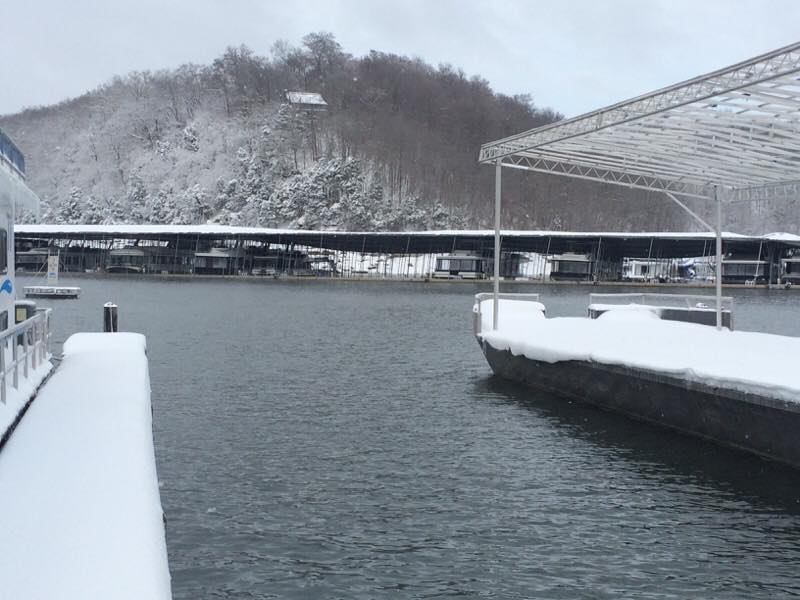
730 135
615 244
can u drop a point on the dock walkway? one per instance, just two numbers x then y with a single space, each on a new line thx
81 512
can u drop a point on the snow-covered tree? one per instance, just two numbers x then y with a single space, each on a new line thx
70 210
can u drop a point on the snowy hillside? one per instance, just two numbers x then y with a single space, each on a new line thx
396 150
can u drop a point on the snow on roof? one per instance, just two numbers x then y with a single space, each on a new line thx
229 230
782 237
746 361
309 98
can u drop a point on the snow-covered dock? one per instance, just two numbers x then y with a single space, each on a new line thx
82 512
51 291
737 388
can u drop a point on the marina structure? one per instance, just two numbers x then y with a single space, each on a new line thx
525 255
728 136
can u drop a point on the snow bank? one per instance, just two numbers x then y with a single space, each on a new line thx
82 516
746 361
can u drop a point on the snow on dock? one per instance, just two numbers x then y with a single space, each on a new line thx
749 362
82 516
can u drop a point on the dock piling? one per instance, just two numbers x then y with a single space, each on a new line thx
110 324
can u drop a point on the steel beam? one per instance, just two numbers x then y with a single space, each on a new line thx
498 172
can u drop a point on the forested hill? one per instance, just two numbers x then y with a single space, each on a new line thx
396 149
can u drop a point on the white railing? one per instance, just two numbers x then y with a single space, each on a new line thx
476 308
23 348
690 301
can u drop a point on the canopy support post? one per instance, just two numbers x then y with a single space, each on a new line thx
717 231
496 298
718 277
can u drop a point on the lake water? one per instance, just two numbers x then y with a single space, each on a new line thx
338 440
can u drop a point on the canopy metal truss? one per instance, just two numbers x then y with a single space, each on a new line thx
732 135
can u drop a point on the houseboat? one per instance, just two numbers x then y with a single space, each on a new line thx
747 271
131 259
219 261
645 270
24 329
33 260
321 265
14 196
571 267
460 266
790 270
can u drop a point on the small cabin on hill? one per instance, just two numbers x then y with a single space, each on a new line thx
305 100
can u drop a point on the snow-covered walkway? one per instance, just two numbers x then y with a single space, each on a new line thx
80 512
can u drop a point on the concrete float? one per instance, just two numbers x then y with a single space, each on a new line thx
737 389
51 291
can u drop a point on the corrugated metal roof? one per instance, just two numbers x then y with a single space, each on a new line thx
736 128
638 244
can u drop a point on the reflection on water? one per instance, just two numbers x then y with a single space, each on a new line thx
326 439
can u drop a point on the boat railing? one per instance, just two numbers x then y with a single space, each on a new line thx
477 317
688 301
23 348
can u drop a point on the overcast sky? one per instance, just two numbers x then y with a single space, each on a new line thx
570 55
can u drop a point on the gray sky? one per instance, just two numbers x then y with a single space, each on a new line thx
570 55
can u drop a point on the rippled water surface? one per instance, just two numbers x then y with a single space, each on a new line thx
337 440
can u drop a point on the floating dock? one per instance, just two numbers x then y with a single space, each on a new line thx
51 291
737 389
83 516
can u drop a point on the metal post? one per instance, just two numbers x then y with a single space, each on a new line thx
110 317
718 277
496 298
25 351
15 359
3 372
34 360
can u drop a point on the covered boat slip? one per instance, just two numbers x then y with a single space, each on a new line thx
728 136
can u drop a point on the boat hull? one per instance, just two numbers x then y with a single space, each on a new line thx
758 424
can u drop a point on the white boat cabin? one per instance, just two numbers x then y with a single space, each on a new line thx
15 196
644 270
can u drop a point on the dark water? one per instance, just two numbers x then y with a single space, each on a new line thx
334 440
